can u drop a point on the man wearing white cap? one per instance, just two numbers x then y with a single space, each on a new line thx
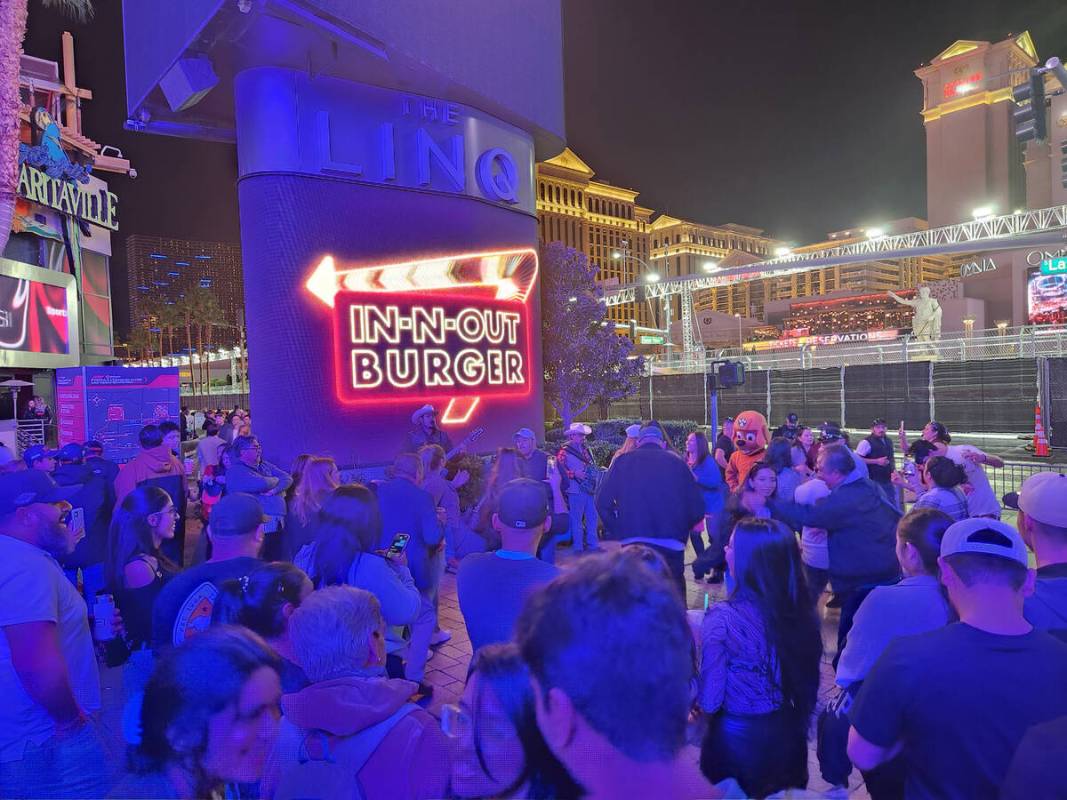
576 461
426 431
956 702
1042 506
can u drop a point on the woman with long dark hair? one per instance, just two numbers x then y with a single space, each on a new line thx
208 718
942 477
780 456
506 467
805 448
136 568
342 551
498 749
759 674
262 601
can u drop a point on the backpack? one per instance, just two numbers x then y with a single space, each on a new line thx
328 767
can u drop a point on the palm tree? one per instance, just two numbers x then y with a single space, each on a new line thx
12 34
168 318
188 319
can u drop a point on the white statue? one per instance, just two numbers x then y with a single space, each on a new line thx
926 321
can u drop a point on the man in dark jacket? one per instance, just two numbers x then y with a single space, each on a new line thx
650 497
91 511
94 459
408 508
860 522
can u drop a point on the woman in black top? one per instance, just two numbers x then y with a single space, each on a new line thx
136 570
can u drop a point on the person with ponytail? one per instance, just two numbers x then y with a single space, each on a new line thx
136 569
317 478
262 601
208 718
759 675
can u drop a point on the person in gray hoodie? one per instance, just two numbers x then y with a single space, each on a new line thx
250 474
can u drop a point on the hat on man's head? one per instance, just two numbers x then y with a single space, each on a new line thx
651 432
578 427
426 409
71 452
93 445
792 418
990 537
29 486
525 433
36 453
878 421
633 431
829 432
523 504
236 514
1043 498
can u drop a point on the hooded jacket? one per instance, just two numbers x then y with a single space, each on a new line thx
411 763
158 465
861 528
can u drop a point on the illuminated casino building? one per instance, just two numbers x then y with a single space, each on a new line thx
602 220
163 269
55 291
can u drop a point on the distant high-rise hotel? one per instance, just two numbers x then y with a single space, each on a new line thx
167 269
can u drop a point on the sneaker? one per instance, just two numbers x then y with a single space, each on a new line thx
440 637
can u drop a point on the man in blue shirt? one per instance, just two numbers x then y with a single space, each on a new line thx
493 587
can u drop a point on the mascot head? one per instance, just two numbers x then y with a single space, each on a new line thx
750 432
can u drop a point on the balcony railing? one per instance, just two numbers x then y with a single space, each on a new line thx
997 343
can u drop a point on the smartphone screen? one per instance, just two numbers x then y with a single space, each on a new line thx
400 541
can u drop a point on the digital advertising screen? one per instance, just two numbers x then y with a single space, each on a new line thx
112 404
33 316
1046 298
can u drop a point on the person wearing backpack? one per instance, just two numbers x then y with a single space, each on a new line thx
350 734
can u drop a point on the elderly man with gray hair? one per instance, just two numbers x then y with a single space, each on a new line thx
349 724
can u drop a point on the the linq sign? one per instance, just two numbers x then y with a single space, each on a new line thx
386 137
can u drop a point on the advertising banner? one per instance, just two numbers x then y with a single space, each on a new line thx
33 316
112 404
1046 298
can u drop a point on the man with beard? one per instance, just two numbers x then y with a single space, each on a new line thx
49 746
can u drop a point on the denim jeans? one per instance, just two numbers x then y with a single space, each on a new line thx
72 768
583 521
421 633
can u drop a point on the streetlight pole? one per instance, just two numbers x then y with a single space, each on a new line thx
740 338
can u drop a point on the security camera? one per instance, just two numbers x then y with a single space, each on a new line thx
132 173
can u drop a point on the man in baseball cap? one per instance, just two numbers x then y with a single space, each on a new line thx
1042 505
532 462
493 587
184 607
955 702
49 679
40 458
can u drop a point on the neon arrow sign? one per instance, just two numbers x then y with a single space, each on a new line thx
453 328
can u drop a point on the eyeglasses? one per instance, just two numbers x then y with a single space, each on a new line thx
456 723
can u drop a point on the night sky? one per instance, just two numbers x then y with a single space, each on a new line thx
798 117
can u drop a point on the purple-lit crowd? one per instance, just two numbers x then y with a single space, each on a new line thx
283 649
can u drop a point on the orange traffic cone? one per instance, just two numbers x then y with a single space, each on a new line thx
1040 440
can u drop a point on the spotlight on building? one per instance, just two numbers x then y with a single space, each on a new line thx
616 255
652 277
781 252
963 88
875 233
983 212
711 266
572 299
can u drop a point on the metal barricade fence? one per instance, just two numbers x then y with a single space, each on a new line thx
29 433
1011 476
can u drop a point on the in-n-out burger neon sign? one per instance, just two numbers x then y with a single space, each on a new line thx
452 329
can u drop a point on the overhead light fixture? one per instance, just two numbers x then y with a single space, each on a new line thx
782 251
983 212
875 233
616 255
711 266
652 277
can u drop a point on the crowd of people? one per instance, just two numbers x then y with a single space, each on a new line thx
284 655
